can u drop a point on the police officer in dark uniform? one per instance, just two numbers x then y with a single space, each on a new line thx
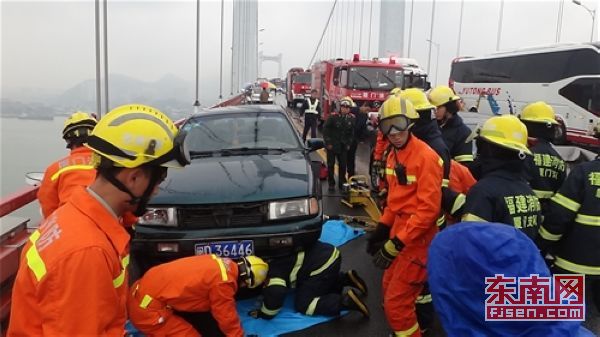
315 274
338 133
311 109
454 131
571 228
546 169
503 194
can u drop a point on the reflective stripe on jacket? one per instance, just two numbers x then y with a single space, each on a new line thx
504 196
546 169
202 283
455 134
572 222
72 278
62 176
312 106
412 209
292 271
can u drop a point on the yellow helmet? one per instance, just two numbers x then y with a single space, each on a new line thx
254 271
347 100
396 113
134 135
441 95
538 112
79 124
506 131
418 98
395 91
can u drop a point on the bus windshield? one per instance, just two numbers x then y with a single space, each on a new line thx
374 78
302 78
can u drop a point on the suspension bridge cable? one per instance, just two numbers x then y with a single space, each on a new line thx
324 30
370 25
362 8
353 27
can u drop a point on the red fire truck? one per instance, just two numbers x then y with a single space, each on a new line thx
298 86
365 81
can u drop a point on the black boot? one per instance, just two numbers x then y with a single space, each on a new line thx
350 301
351 279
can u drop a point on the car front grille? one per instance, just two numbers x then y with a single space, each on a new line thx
223 216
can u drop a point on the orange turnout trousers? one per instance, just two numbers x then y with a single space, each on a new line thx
411 211
203 283
72 278
62 176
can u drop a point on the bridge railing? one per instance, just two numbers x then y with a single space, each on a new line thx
14 233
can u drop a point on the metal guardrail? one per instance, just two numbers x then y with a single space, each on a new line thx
14 233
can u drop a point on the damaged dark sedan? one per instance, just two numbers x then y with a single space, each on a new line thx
251 188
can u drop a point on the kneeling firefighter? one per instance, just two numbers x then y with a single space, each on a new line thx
202 283
315 274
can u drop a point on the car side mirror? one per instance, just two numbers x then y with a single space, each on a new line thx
336 81
314 144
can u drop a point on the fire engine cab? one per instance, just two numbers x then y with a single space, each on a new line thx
367 82
298 86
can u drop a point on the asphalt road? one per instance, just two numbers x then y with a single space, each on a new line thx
355 257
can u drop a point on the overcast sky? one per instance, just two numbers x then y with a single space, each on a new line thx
50 44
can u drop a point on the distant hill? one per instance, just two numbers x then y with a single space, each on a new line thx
170 94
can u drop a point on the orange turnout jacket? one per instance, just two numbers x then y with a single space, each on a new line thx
412 209
72 278
461 178
62 176
203 283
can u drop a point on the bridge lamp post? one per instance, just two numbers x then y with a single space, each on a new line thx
437 56
592 13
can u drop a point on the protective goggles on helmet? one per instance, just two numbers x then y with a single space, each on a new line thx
397 122
345 104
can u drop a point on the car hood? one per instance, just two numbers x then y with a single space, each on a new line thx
236 179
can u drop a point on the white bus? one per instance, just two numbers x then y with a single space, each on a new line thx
566 76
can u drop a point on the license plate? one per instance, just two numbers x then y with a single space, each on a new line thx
230 249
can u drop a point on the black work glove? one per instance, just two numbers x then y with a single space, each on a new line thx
377 238
384 257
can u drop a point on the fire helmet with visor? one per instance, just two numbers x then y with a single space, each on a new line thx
397 114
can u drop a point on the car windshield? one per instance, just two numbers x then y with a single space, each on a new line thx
240 131
302 78
374 78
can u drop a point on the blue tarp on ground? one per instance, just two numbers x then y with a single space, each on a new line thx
335 232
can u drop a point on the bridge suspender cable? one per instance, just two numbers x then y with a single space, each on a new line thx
323 34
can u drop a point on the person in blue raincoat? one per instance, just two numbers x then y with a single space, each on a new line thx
462 256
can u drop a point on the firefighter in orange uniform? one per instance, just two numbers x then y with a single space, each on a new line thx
200 283
72 278
414 176
74 170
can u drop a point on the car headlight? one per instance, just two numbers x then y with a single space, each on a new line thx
293 208
159 217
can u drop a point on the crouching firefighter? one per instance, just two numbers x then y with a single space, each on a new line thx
203 283
414 175
315 274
